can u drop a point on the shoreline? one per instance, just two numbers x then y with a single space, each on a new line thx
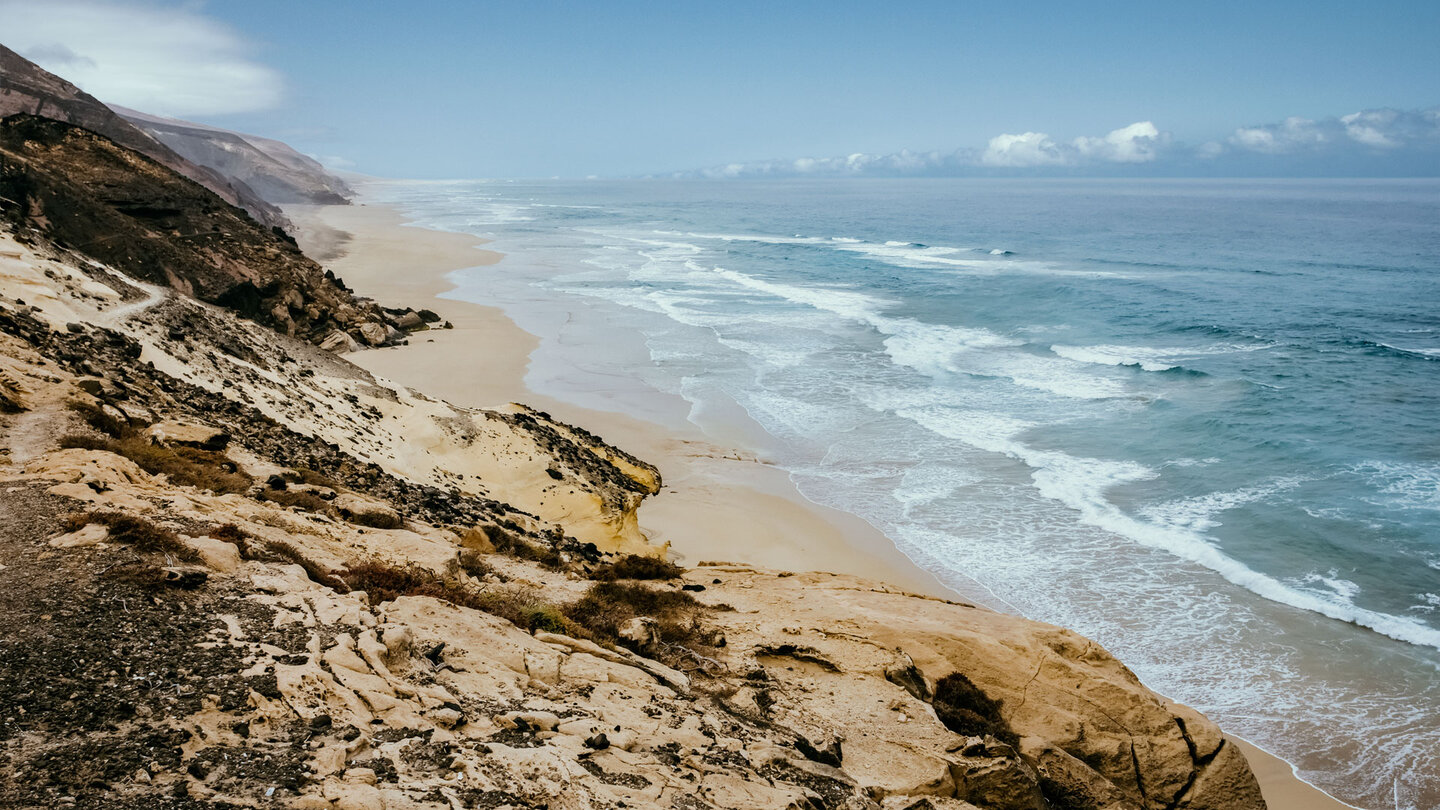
753 512
716 503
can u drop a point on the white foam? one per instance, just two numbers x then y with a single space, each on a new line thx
1114 356
1423 352
1342 588
939 349
1081 484
1192 462
1197 514
927 483
1409 485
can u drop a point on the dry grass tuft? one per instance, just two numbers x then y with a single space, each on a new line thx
524 607
308 501
634 566
133 531
280 551
301 475
475 564
376 519
607 606
186 466
965 709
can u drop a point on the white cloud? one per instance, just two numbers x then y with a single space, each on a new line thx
158 59
1376 129
1369 127
1288 135
1025 149
903 162
1138 143
1380 141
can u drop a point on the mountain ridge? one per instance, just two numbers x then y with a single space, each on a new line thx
275 170
25 87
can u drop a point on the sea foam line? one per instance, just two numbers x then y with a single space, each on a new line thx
1080 484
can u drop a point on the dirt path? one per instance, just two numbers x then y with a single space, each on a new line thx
153 295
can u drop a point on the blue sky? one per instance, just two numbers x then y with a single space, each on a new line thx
540 88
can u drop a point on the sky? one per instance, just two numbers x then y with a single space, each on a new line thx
540 88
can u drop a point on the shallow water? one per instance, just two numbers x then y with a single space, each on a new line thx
1194 420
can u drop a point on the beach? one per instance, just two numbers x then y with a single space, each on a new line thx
718 503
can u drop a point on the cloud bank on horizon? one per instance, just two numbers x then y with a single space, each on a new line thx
1375 141
169 61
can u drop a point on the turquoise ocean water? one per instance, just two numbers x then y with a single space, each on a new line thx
1194 420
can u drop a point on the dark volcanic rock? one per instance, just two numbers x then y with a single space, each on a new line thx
27 88
119 207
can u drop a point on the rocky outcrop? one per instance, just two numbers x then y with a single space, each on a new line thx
272 169
120 208
302 406
29 89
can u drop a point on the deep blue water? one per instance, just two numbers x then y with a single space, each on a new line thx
1195 420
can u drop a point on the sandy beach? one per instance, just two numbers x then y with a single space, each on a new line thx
718 503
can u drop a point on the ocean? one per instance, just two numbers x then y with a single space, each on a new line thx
1195 420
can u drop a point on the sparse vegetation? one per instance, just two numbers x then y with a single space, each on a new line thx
519 605
474 564
133 531
308 501
965 709
375 519
607 606
96 417
635 566
186 466
509 542
280 551
301 475
235 536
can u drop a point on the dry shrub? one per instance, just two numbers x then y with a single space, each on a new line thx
383 581
281 551
546 555
376 519
144 577
94 416
475 564
186 466
235 536
965 709
519 605
608 606
133 531
85 441
301 475
508 541
635 566
308 501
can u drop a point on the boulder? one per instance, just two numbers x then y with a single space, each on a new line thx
373 333
217 555
189 434
410 321
999 782
339 343
642 631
